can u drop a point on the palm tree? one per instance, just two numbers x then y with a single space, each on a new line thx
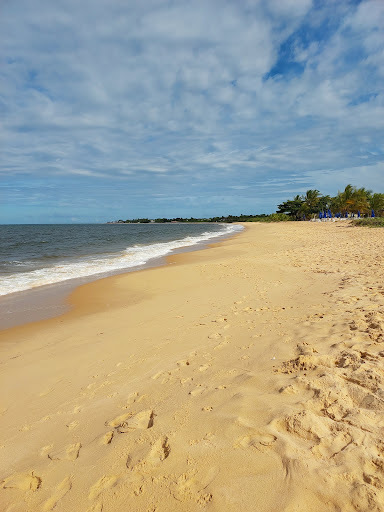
346 198
325 203
353 199
311 200
360 200
376 202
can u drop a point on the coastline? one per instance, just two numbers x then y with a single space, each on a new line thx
219 381
52 300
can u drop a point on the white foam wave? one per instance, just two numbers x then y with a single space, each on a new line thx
132 257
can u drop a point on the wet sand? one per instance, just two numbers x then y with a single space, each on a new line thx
49 301
244 377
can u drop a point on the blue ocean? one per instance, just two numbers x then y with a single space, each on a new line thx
38 255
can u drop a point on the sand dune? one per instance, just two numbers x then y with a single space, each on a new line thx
240 378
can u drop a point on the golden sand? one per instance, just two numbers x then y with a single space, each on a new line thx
247 377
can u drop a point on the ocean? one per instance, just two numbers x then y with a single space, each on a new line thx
33 256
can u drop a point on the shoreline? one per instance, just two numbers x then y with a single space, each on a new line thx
53 300
218 382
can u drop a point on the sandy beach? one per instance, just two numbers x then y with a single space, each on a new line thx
245 377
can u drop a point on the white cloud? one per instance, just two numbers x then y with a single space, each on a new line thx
184 92
289 8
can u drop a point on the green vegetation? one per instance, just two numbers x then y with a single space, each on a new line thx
377 222
350 202
275 217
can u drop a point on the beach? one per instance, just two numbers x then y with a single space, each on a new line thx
245 377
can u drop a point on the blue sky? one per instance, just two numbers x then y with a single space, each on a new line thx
120 108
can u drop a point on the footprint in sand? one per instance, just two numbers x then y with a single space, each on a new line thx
374 472
332 445
132 398
306 425
260 441
183 362
139 490
160 450
96 507
197 391
118 420
22 481
71 452
215 336
190 487
158 375
220 319
221 345
127 422
147 458
61 490
104 483
141 420
46 449
167 376
72 425
186 380
288 390
107 437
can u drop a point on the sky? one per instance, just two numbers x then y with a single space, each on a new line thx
117 109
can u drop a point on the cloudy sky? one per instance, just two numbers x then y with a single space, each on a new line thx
125 108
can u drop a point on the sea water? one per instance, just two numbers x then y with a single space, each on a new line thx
32 256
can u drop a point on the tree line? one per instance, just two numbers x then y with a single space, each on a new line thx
351 200
226 219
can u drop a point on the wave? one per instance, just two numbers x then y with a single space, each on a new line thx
131 257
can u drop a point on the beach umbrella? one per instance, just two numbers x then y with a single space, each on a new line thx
372 213
330 214
320 215
346 215
358 214
325 214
